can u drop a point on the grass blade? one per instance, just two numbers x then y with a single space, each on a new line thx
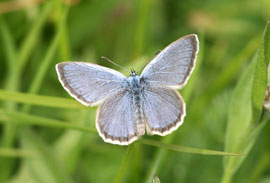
239 118
43 68
178 148
16 153
260 75
27 119
123 167
39 100
31 39
10 53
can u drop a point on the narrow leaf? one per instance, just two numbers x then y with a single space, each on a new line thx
32 37
46 101
16 153
260 75
27 119
187 149
123 167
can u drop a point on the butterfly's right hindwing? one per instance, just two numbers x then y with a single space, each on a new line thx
164 110
89 83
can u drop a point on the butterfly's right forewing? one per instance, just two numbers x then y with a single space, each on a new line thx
89 83
174 64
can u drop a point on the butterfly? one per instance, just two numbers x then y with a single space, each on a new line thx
131 106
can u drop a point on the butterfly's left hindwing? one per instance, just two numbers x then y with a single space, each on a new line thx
89 83
115 120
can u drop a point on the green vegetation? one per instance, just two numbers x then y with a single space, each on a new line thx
47 137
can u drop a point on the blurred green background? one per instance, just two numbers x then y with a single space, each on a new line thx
53 139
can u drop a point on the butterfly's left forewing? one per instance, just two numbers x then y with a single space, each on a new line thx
89 83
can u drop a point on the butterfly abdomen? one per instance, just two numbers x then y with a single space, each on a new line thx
140 124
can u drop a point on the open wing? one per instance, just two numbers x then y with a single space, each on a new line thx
164 110
115 120
89 83
173 65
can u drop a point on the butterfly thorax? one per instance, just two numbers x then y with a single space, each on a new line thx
134 84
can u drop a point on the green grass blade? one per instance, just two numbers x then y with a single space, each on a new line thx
16 153
27 119
123 167
31 39
260 75
10 53
261 165
39 100
266 44
240 109
247 142
23 175
239 118
43 68
178 148
155 164
64 45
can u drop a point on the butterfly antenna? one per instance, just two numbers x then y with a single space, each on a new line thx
105 58
149 61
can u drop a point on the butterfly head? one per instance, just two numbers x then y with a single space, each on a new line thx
133 73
